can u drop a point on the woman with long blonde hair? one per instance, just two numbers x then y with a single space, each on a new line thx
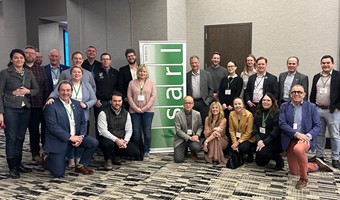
214 131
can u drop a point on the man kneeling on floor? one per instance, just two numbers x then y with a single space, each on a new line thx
188 126
66 127
115 130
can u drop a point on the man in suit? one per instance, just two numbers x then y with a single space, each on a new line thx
325 94
188 127
54 69
199 86
300 124
260 83
289 78
127 73
66 127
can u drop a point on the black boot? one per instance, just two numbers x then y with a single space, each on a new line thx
279 163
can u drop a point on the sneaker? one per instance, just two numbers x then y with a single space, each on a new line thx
301 183
146 154
323 166
336 164
108 164
37 159
313 159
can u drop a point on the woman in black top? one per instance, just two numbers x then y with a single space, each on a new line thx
267 132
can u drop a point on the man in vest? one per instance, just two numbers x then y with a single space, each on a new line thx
115 130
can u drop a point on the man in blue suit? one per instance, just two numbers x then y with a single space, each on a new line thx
66 127
300 124
54 69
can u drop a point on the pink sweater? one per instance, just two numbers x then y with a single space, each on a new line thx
149 92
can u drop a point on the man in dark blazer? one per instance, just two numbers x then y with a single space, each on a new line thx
126 74
259 84
199 86
289 78
54 69
325 94
66 127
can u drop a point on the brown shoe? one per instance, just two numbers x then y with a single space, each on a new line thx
37 159
301 183
194 156
108 164
83 170
323 166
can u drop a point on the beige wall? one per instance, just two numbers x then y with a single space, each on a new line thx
307 29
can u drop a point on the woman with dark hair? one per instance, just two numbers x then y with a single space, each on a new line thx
267 132
17 85
214 132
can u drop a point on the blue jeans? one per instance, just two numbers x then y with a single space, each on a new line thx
141 123
16 120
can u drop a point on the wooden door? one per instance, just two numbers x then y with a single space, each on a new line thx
232 41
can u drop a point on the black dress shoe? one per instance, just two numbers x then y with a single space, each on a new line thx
336 164
24 169
313 159
14 174
117 160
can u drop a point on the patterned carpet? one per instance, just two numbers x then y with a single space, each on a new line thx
158 177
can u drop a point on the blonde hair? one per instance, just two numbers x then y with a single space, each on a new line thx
143 67
219 117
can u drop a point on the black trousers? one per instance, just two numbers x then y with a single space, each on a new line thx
110 149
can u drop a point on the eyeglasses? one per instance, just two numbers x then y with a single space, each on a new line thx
296 92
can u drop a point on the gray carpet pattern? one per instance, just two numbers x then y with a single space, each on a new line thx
158 177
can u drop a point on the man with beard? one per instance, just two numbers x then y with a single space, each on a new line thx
37 104
38 59
127 73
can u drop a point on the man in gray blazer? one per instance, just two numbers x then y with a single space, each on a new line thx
290 78
199 86
188 127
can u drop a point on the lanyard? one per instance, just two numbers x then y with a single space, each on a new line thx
264 119
75 90
56 75
69 111
324 82
141 87
23 76
229 82
258 83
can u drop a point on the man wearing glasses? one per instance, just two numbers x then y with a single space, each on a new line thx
326 95
289 78
300 124
188 127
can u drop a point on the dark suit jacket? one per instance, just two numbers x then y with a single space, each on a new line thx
269 85
335 90
124 79
299 78
49 76
235 86
310 122
58 127
205 85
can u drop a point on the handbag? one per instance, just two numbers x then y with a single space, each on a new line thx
235 160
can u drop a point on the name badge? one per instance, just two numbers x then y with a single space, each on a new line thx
263 130
140 98
227 92
294 125
323 90
189 132
55 81
238 134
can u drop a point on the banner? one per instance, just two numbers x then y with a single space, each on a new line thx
167 68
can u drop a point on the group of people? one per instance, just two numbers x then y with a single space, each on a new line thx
275 117
54 102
